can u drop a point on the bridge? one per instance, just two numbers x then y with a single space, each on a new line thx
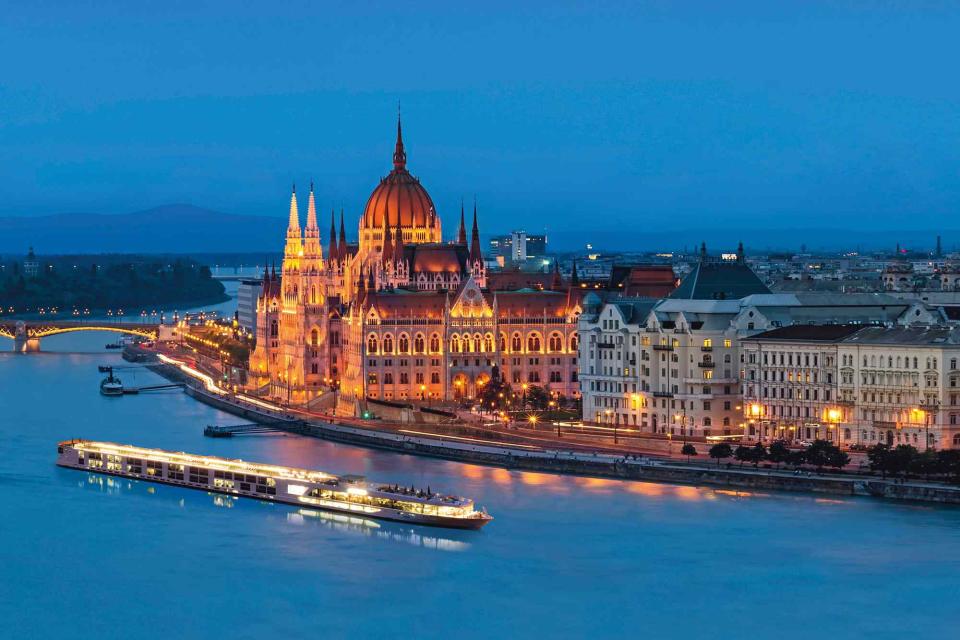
26 334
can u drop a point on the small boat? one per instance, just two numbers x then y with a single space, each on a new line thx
114 345
111 385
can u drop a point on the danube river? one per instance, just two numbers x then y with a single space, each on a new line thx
88 556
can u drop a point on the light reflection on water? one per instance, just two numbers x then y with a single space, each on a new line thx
425 537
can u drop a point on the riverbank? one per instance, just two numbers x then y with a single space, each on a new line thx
407 439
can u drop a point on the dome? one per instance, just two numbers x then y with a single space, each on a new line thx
399 197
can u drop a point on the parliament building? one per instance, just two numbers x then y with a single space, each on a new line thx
403 314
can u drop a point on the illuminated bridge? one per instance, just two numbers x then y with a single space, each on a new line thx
26 334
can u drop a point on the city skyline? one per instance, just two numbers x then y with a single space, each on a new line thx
792 119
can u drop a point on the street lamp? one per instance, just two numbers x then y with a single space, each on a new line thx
833 416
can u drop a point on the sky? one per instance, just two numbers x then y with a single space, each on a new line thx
638 117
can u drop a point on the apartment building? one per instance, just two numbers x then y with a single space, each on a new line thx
854 385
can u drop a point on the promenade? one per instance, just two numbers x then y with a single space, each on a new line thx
532 450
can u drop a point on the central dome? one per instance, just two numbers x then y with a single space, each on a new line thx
400 198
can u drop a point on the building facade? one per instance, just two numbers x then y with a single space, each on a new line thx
854 385
675 367
403 314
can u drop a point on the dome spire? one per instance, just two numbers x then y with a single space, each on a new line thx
399 155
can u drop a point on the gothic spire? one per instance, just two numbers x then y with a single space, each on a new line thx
398 243
342 247
293 226
399 155
574 278
332 251
475 254
386 254
462 231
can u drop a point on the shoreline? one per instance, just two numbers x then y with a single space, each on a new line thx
575 463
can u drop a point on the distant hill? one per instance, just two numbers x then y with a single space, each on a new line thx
181 228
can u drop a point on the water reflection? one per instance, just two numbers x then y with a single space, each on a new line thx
340 523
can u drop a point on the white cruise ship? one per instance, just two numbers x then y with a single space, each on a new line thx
289 485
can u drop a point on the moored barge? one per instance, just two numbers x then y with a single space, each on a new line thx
288 485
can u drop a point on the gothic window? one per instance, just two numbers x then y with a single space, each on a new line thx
418 343
313 295
388 343
372 344
455 344
515 345
274 329
404 343
314 368
435 343
503 342
476 343
314 338
488 343
435 378
387 378
574 343
556 342
533 343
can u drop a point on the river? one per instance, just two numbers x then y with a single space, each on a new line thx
89 556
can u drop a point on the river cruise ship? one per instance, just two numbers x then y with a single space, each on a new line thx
289 485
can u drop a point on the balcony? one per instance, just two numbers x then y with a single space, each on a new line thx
706 365
662 394
706 349
663 347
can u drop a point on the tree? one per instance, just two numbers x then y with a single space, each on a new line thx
688 450
721 451
837 458
925 464
818 453
758 453
797 458
901 458
742 454
779 453
538 397
877 456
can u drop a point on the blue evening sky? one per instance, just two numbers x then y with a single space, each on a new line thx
636 115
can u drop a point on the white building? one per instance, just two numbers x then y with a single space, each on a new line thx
854 385
674 366
247 294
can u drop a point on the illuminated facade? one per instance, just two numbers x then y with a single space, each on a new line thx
403 315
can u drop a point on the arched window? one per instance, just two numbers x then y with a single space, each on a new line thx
556 342
533 343
574 343
707 422
956 439
435 343
388 344
274 329
515 344
418 343
313 295
372 344
455 344
404 343
476 343
488 343
314 338
503 342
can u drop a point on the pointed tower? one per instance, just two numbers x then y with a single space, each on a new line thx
703 251
386 253
574 277
462 230
311 234
740 254
332 255
475 253
399 154
398 247
557 284
342 247
294 245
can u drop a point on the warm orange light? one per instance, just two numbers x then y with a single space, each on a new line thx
755 410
